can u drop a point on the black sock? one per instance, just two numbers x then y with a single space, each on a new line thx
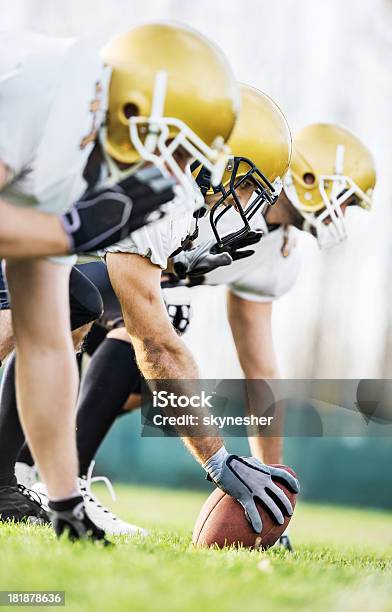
11 433
25 455
66 504
111 377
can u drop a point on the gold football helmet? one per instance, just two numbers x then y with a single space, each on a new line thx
330 167
171 90
261 151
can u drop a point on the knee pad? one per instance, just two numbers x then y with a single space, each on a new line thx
85 300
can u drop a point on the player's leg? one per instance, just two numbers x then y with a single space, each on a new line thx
251 326
11 434
16 502
46 374
108 374
111 377
46 382
86 306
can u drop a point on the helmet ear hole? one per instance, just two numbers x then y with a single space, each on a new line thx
131 110
309 178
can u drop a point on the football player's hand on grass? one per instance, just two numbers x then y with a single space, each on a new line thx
247 479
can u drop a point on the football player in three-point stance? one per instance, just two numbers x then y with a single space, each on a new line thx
135 264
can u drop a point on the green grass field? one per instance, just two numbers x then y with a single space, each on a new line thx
343 562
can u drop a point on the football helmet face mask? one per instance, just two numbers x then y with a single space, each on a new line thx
261 147
159 107
330 168
264 194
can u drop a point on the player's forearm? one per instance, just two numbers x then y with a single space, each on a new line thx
162 357
26 232
169 366
203 448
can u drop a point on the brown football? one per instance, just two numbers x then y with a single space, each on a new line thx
222 522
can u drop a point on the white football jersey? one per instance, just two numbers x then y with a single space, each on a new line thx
266 275
53 95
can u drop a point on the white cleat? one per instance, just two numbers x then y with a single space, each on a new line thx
40 489
26 475
101 516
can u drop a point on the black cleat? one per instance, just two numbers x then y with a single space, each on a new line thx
19 504
285 542
69 517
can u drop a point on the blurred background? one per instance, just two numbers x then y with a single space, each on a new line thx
321 62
